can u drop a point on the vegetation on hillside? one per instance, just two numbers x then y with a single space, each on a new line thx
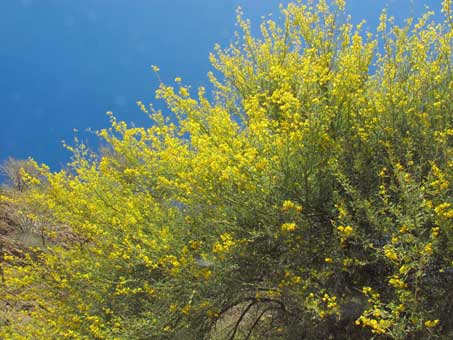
308 197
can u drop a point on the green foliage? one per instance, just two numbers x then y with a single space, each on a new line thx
309 198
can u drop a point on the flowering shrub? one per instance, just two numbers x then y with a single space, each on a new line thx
309 197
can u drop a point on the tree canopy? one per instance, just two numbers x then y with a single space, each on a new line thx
308 196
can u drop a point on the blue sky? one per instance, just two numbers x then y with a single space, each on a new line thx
64 63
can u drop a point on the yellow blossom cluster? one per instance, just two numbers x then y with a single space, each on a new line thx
321 161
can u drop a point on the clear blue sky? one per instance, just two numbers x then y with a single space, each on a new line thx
64 63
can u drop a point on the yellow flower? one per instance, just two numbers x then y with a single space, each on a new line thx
185 310
440 209
435 232
226 243
428 249
390 253
346 231
184 91
287 205
396 282
404 229
431 323
288 226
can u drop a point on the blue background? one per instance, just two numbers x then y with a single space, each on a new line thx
64 63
